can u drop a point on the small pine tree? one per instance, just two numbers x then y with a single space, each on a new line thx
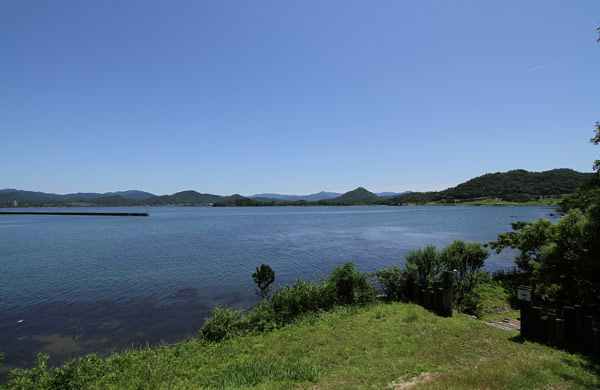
263 277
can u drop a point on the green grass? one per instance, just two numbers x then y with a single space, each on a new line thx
376 347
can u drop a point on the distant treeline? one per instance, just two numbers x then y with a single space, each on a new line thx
518 186
514 186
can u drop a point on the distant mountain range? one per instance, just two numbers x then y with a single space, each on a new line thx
316 197
10 194
513 186
312 197
135 197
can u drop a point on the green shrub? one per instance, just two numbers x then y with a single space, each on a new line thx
224 323
392 281
352 286
424 264
346 285
478 294
466 258
289 302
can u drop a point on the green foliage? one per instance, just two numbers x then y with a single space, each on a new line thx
561 261
423 264
348 348
345 286
223 324
392 281
263 277
466 258
478 295
585 196
351 286
529 241
513 186
291 302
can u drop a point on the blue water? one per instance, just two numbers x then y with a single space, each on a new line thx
95 284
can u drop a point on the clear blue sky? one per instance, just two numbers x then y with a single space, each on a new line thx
292 96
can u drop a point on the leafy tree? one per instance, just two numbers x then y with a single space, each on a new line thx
351 285
466 258
596 140
529 239
391 280
263 277
562 260
423 264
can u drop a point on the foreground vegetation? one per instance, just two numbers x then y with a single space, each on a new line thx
378 346
334 333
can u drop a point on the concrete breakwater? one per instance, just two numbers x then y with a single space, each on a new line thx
146 214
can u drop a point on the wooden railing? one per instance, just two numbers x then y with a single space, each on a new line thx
572 330
436 297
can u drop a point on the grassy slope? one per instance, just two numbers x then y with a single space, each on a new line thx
376 347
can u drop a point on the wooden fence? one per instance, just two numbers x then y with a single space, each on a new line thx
573 331
436 297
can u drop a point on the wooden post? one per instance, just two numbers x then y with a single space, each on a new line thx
526 319
431 292
596 333
435 304
418 295
524 295
552 330
447 282
543 333
415 292
440 301
536 316
560 332
578 328
408 292
570 324
587 334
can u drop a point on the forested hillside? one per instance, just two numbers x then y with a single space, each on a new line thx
512 186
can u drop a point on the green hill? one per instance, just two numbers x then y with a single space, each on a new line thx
512 186
113 200
182 198
359 195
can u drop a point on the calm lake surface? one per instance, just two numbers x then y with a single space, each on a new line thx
96 284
